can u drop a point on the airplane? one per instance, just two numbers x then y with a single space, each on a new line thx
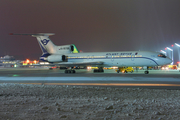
69 56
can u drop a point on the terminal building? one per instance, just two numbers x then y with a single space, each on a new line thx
9 61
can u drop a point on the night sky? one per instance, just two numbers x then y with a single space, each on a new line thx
92 25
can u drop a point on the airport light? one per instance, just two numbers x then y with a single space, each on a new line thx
172 54
35 62
163 52
177 44
27 61
178 50
169 49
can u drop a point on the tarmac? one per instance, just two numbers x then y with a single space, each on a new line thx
156 79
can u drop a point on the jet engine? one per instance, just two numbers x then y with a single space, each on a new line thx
56 58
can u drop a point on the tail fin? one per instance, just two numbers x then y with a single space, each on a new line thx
48 47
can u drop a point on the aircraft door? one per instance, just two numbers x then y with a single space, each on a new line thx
92 57
112 58
132 57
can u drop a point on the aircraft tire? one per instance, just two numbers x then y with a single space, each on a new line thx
69 71
125 71
66 71
73 71
100 70
146 72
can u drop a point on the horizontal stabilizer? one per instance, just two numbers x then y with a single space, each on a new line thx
34 35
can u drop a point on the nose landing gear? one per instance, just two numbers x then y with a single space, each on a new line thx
146 72
99 70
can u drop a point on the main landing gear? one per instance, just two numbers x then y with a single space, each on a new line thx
70 71
146 72
98 70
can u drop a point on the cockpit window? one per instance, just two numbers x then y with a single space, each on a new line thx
162 55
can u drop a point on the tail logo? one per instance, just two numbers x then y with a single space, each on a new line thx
44 42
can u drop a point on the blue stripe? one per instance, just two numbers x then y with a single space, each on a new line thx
119 58
43 49
150 59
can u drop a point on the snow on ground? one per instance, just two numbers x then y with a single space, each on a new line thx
20 101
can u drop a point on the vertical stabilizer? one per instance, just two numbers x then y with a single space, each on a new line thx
46 45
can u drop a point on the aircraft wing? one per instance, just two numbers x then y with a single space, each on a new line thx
71 64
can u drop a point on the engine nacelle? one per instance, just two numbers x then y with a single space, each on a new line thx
56 58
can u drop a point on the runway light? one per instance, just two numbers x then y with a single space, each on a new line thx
169 49
172 45
114 67
165 48
15 75
34 61
88 68
41 63
163 51
177 44
27 61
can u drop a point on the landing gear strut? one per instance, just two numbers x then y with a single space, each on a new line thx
99 70
70 71
146 72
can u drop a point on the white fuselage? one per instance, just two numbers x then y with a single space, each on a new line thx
120 58
63 55
53 53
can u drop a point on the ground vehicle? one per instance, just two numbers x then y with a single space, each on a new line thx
125 69
173 67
